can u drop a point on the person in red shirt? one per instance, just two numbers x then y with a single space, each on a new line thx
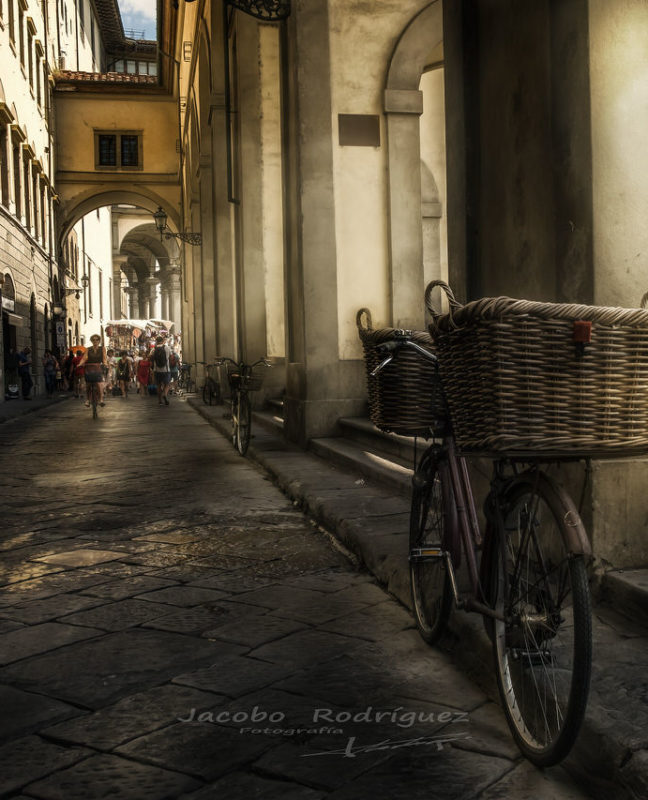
143 373
78 372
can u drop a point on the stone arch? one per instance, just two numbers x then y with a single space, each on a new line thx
403 105
91 200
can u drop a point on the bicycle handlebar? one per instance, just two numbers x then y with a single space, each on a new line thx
393 346
241 364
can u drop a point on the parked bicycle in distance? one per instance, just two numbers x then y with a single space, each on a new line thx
211 393
531 585
186 382
243 378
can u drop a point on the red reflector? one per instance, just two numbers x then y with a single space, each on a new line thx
583 331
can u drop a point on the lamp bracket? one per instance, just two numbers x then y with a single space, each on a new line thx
186 236
266 10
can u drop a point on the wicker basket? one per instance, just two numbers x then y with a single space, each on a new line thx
405 397
519 381
252 381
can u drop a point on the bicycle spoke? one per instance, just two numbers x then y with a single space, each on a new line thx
543 648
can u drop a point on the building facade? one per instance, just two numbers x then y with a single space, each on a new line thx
313 157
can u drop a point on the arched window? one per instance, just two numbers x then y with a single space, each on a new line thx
8 293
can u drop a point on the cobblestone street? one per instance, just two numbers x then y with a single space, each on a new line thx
171 626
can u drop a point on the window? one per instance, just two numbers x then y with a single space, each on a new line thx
4 167
21 35
129 151
119 150
107 150
30 57
12 22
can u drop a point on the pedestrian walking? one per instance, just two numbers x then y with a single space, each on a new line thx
174 370
68 370
143 374
124 372
93 361
50 368
162 369
78 371
24 371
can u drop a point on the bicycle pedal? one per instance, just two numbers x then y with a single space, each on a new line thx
427 553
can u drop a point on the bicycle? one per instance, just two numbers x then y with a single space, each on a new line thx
242 380
186 384
531 586
211 393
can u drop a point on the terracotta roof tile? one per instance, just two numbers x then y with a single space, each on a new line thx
104 77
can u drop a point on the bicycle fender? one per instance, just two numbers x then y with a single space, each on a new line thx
578 543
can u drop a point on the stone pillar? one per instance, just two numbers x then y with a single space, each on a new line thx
118 262
403 108
175 296
164 301
143 296
152 291
132 301
316 385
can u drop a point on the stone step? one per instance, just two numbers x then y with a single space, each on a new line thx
276 405
365 433
389 471
269 420
626 591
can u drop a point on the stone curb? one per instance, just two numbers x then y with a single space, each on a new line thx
610 757
13 409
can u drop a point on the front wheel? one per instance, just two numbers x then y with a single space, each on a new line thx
207 395
433 521
543 645
243 426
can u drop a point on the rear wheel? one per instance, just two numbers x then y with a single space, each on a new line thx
543 648
433 520
244 427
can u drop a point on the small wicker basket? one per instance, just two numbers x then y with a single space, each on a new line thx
252 381
545 379
405 397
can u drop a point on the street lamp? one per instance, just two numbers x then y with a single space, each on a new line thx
76 290
189 237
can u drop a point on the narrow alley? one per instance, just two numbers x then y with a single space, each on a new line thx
172 627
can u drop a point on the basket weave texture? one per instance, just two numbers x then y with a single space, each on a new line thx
405 397
516 381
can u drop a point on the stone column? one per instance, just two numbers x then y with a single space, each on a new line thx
175 296
143 296
164 300
403 108
132 302
118 262
152 291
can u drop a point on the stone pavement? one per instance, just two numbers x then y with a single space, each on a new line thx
610 757
172 626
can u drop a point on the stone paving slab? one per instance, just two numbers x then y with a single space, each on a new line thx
26 759
103 776
24 713
135 716
97 673
26 642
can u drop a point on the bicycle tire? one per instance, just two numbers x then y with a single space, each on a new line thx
206 395
543 649
433 519
244 427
